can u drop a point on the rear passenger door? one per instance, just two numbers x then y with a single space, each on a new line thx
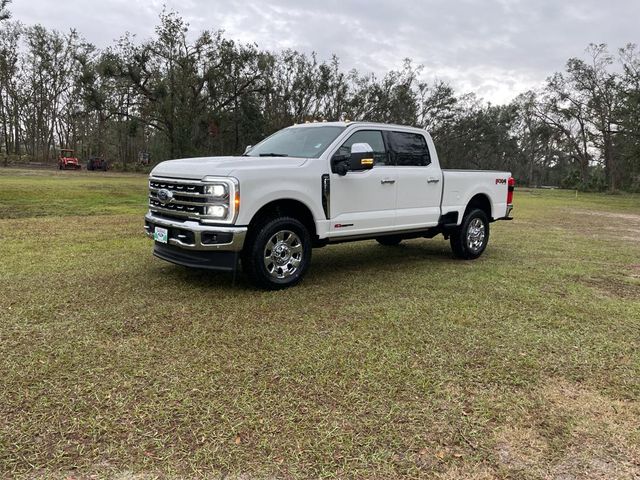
419 181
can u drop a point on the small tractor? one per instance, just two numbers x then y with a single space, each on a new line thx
97 163
66 160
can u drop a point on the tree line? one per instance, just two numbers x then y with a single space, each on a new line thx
175 95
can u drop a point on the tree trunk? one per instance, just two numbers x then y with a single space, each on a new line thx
609 162
16 134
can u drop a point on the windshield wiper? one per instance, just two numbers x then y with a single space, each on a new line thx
273 155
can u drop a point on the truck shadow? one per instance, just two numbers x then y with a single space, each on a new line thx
335 261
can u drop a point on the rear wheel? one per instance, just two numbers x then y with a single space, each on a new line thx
389 240
470 239
278 254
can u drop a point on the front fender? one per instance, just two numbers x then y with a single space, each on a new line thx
254 196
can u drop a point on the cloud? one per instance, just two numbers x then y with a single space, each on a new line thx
496 48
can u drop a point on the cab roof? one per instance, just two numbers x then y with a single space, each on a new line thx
349 124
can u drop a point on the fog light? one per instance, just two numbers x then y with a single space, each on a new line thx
217 211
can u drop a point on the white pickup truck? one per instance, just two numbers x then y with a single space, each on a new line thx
315 184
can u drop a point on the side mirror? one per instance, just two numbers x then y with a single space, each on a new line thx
361 158
246 150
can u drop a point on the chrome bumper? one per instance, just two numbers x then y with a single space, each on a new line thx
190 235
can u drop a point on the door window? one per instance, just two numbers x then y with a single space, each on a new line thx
407 149
373 138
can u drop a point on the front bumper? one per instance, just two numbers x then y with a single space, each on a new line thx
191 235
218 260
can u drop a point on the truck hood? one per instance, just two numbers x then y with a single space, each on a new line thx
197 168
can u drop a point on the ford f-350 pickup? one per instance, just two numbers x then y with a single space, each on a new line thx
315 184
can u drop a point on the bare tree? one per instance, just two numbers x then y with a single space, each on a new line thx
5 14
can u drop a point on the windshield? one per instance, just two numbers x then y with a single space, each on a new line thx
306 142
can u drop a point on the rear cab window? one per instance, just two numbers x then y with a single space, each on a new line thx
407 149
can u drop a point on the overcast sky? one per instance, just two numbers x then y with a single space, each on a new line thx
495 48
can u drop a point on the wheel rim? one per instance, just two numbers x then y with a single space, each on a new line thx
283 254
476 234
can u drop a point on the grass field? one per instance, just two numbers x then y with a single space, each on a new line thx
384 363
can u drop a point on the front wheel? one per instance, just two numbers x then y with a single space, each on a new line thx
470 239
278 254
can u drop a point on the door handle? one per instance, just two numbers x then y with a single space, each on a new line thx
387 181
433 180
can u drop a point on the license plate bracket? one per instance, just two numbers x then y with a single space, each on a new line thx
161 235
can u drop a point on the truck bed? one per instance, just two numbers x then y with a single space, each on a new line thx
460 186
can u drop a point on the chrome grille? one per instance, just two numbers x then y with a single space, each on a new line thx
177 187
154 203
189 200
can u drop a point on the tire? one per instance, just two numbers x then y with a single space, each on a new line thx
389 241
278 254
470 239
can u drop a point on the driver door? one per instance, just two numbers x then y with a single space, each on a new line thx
363 202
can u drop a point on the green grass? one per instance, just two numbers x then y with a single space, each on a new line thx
384 363
31 193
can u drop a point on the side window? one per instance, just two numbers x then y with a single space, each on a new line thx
373 138
408 149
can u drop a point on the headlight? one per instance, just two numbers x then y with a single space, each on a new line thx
217 190
222 201
217 211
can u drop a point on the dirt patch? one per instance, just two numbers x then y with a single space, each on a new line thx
467 472
582 466
629 217
521 448
110 473
622 226
599 439
605 443
615 287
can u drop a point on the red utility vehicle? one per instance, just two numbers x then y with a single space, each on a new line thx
67 160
